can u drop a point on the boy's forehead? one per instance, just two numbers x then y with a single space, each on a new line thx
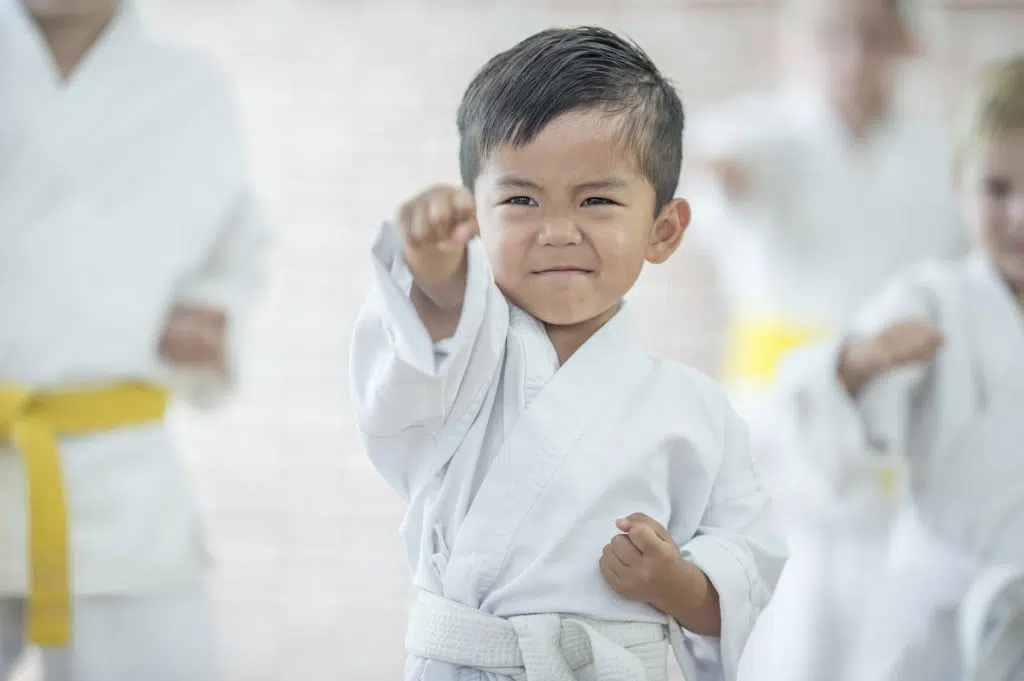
582 143
993 154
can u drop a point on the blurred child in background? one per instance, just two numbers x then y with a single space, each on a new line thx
829 188
131 250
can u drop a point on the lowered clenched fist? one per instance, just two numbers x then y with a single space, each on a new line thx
194 337
643 563
902 343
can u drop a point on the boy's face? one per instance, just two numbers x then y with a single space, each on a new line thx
568 220
854 51
992 188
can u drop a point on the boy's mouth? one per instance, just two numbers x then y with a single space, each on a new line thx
563 272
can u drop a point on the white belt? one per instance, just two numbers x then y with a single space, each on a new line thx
547 647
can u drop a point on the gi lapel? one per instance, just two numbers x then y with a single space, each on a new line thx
950 398
579 395
997 331
84 139
74 113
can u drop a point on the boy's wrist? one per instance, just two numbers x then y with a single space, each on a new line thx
851 372
446 293
679 587
691 600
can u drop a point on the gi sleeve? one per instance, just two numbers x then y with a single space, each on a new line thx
229 280
737 546
415 399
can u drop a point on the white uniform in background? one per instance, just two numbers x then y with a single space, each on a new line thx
825 221
927 444
122 194
515 470
951 607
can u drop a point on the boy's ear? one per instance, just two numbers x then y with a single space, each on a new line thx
669 227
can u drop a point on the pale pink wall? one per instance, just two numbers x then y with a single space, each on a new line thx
350 107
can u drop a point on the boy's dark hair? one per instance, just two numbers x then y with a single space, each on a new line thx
520 91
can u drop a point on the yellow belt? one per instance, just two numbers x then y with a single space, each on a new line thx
757 344
33 422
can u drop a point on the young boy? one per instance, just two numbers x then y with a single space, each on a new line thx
925 394
500 392
130 252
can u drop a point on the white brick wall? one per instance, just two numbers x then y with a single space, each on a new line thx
350 106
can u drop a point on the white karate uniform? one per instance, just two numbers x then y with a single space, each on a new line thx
123 193
951 606
161 636
824 221
922 424
515 470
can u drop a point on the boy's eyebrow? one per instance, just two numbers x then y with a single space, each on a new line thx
512 182
603 183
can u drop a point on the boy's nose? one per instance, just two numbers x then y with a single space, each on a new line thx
560 232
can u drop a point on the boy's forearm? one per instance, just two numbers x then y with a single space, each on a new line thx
441 307
692 600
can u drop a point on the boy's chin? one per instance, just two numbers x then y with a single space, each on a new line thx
566 316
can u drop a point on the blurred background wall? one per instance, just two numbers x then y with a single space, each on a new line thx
349 107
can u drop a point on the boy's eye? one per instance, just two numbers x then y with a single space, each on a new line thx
521 201
598 201
997 188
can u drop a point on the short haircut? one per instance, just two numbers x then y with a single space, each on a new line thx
557 71
994 104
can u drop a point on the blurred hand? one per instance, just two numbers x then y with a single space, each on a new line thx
195 337
731 174
902 343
